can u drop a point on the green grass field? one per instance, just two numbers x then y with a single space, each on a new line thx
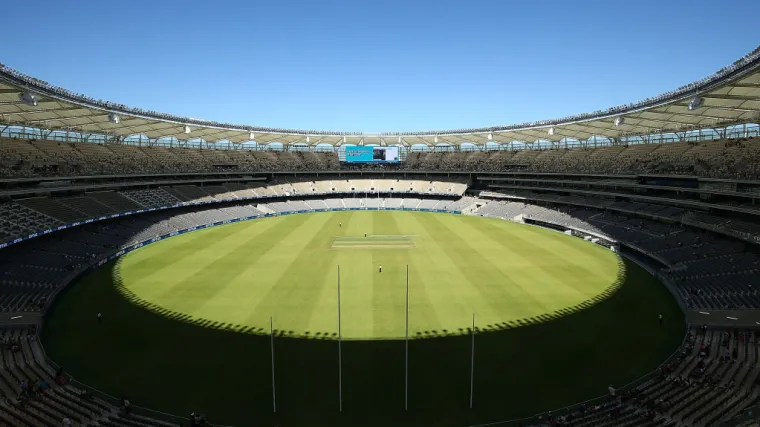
183 320
286 267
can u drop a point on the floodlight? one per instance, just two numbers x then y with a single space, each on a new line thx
551 131
490 136
252 136
695 103
113 118
29 98
619 120
187 129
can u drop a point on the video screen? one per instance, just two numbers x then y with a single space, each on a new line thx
372 155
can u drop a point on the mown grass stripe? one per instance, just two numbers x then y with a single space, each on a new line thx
292 292
137 352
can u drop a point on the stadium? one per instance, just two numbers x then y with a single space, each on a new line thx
593 270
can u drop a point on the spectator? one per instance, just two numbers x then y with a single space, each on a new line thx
126 405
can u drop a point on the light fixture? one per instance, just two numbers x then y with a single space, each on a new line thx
490 136
29 98
187 129
695 103
619 120
113 118
551 131
252 136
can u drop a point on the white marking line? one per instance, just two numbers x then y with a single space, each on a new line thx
16 317
703 312
731 318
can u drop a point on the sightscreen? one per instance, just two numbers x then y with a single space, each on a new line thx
372 155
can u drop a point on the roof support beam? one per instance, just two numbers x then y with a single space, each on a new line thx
61 119
132 130
668 120
55 110
598 128
41 101
671 122
209 136
637 125
561 134
743 110
703 116
523 137
750 85
729 97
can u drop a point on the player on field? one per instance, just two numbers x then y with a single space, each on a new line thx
381 268
340 225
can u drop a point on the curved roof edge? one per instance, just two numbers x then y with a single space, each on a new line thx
738 68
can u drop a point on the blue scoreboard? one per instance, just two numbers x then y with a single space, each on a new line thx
372 155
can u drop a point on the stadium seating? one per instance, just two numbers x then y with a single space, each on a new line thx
701 236
712 377
24 217
34 270
710 272
697 263
50 398
733 159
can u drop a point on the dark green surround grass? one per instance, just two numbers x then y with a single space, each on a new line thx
179 367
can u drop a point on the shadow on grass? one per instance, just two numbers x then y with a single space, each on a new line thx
171 363
517 323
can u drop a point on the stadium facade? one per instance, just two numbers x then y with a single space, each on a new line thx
672 181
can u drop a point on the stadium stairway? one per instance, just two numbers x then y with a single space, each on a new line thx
682 395
22 359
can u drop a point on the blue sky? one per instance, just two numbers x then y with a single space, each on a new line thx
375 66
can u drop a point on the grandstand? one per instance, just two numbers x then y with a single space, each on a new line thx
673 188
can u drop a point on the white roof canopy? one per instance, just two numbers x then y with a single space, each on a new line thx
730 96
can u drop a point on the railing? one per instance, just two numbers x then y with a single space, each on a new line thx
199 203
748 130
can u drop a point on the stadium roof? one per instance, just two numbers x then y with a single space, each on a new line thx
729 97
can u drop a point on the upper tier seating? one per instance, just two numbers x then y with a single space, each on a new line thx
733 159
